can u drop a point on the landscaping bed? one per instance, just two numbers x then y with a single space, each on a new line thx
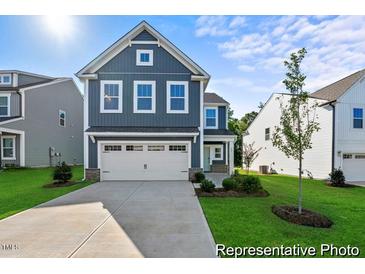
221 192
307 217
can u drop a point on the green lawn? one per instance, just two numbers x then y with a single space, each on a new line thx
21 189
241 222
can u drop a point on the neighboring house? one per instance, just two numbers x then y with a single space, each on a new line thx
147 116
41 120
340 143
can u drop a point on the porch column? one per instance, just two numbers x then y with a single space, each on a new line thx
231 157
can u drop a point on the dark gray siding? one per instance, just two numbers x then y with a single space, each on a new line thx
222 117
15 104
144 36
125 62
195 147
24 79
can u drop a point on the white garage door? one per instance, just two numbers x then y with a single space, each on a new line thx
144 161
354 166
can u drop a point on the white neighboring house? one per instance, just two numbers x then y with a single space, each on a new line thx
340 143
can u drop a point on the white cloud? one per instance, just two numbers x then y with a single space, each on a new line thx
246 68
218 25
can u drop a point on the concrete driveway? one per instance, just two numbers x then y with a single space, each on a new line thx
112 219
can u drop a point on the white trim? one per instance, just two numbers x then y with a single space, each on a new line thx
100 143
13 137
60 111
138 57
56 81
186 96
86 125
135 96
144 134
219 138
11 120
8 96
2 75
123 42
231 157
201 125
226 145
15 79
92 76
22 142
120 96
215 104
216 118
140 42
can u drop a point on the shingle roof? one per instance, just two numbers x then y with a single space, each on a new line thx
213 98
144 129
335 90
4 88
218 132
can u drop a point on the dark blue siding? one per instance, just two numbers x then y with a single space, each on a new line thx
144 36
222 117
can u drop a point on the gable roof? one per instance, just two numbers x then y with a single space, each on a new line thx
213 98
26 73
335 90
126 40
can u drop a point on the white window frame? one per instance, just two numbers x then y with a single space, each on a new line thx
2 79
216 118
120 96
212 152
186 96
13 137
353 118
60 111
138 57
135 96
8 95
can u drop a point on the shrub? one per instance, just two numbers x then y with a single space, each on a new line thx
207 186
229 184
337 178
199 177
236 172
62 173
250 184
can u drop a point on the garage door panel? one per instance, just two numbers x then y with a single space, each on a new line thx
144 165
354 166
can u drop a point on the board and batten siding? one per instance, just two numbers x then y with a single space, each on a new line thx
24 79
222 124
349 139
317 161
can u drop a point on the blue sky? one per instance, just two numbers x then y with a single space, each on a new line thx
243 54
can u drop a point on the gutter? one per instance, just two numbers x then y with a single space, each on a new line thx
333 133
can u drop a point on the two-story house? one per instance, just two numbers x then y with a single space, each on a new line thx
147 116
340 142
41 120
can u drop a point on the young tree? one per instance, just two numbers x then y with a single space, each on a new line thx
298 119
249 155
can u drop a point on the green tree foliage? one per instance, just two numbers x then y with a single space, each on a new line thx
298 119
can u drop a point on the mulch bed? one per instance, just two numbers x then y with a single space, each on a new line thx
307 218
54 184
220 192
328 183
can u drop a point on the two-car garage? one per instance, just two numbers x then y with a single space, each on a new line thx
144 160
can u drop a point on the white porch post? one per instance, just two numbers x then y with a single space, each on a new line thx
22 149
231 157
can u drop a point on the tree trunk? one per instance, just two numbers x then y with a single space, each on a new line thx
300 187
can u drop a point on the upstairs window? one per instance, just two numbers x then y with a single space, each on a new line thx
267 134
211 118
5 79
111 96
144 57
4 105
177 97
358 118
62 118
144 96
8 147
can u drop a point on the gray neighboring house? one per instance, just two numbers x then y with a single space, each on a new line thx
147 115
41 120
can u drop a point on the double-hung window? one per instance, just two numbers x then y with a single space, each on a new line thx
4 105
144 57
211 117
5 79
177 97
111 93
144 97
267 134
358 118
62 118
8 147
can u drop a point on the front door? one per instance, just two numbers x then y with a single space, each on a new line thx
206 158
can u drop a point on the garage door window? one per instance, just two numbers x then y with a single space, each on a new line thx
177 148
360 156
347 156
156 148
113 148
134 148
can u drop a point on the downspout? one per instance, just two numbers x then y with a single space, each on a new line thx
333 134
